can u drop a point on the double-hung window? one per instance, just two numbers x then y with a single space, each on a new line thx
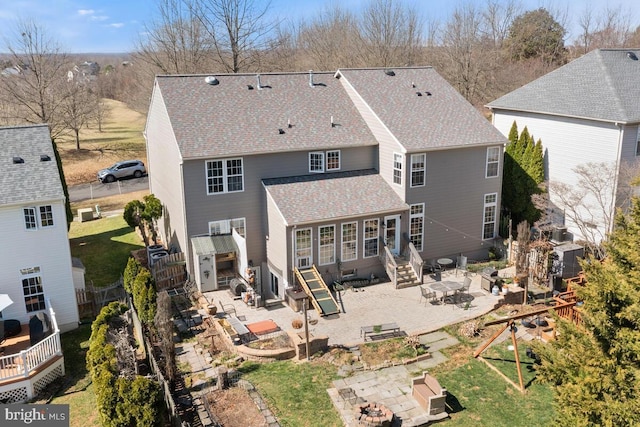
32 289
489 216
397 168
327 244
225 176
418 169
320 161
349 241
493 162
370 237
316 161
38 217
416 226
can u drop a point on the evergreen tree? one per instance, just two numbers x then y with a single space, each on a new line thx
596 367
513 133
536 168
521 164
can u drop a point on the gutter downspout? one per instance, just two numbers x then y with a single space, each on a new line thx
617 178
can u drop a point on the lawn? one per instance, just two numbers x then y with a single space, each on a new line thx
104 246
296 392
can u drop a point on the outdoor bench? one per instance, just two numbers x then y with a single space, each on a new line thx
429 394
379 329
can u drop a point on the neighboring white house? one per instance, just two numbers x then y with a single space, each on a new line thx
586 113
35 257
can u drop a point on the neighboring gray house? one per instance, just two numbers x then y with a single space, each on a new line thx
338 170
585 112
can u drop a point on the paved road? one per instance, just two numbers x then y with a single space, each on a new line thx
96 189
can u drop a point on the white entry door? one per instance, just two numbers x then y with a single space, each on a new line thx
392 233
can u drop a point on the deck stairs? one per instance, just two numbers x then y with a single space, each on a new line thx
317 290
405 275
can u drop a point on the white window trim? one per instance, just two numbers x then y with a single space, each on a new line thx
225 175
30 273
486 169
398 159
332 245
343 241
320 163
365 238
295 249
495 215
418 215
225 226
339 160
423 169
35 212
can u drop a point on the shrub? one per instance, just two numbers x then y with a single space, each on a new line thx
144 296
130 273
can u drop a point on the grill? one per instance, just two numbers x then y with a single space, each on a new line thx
489 278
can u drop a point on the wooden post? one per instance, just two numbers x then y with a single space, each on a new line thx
515 349
496 335
306 327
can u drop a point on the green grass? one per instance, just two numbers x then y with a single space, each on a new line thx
77 390
296 392
104 246
479 396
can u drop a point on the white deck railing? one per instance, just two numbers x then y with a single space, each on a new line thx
22 364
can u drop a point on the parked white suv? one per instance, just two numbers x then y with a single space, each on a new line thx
124 169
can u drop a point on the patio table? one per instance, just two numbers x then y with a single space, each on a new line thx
445 287
445 262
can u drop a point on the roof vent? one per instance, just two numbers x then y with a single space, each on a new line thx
389 73
632 55
289 125
250 87
211 80
17 159
418 93
311 78
45 158
332 123
281 131
426 92
258 78
413 85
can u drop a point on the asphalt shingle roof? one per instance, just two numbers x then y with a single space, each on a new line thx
323 197
33 180
229 119
603 84
443 119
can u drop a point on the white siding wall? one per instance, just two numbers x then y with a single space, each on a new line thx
165 174
567 143
47 248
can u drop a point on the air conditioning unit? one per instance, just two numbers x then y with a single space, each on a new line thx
559 234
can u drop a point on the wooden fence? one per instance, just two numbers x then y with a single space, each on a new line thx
169 271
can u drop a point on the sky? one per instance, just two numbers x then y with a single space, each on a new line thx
113 26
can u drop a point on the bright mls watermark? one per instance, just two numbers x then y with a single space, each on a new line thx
34 415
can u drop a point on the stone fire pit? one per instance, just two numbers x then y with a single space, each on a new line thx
374 415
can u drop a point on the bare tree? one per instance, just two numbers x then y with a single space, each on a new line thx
238 29
391 34
329 41
176 42
34 93
79 107
466 60
590 204
498 16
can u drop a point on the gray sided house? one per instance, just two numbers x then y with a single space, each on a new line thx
585 113
260 174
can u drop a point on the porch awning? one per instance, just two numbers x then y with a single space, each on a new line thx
221 244
323 197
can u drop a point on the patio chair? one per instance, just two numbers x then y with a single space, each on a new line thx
461 264
434 267
427 295
466 284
